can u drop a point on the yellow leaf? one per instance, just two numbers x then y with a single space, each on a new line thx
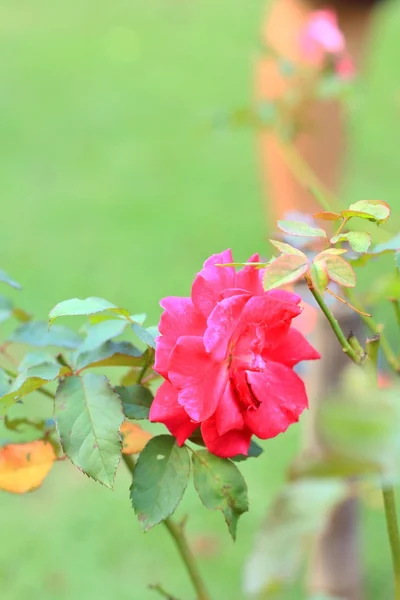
134 438
23 467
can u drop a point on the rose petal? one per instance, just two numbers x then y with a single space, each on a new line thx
212 281
232 443
250 278
293 349
265 321
228 415
164 346
282 398
166 409
221 324
180 317
285 296
199 379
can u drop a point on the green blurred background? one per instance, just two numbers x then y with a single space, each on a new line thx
113 184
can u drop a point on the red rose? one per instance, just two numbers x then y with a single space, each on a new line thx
227 354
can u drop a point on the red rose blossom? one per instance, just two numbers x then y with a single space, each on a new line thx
227 354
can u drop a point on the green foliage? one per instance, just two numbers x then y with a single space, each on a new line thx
89 414
110 354
220 486
286 248
37 333
159 481
362 425
286 268
319 275
359 241
88 306
5 278
372 210
27 382
99 333
254 452
300 229
340 271
136 401
298 513
145 335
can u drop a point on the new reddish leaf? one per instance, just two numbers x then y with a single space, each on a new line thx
340 271
285 269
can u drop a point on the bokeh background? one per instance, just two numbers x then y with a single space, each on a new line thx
114 184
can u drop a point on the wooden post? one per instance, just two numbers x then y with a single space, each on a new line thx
335 567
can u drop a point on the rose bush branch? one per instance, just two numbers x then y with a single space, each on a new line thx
177 533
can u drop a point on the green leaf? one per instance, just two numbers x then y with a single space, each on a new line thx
362 423
397 260
159 480
110 354
5 278
254 451
27 382
144 335
319 275
386 247
89 414
286 248
301 229
328 216
139 318
33 359
99 333
299 512
6 308
340 271
330 252
88 306
359 241
372 210
331 465
5 383
37 333
220 486
285 269
136 401
390 246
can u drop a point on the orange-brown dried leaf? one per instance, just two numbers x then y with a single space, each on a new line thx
134 438
23 467
328 216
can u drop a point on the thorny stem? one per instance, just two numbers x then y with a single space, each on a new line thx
375 329
307 178
337 330
392 526
396 307
177 533
387 491
365 314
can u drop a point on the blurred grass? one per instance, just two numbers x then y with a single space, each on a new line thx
111 184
